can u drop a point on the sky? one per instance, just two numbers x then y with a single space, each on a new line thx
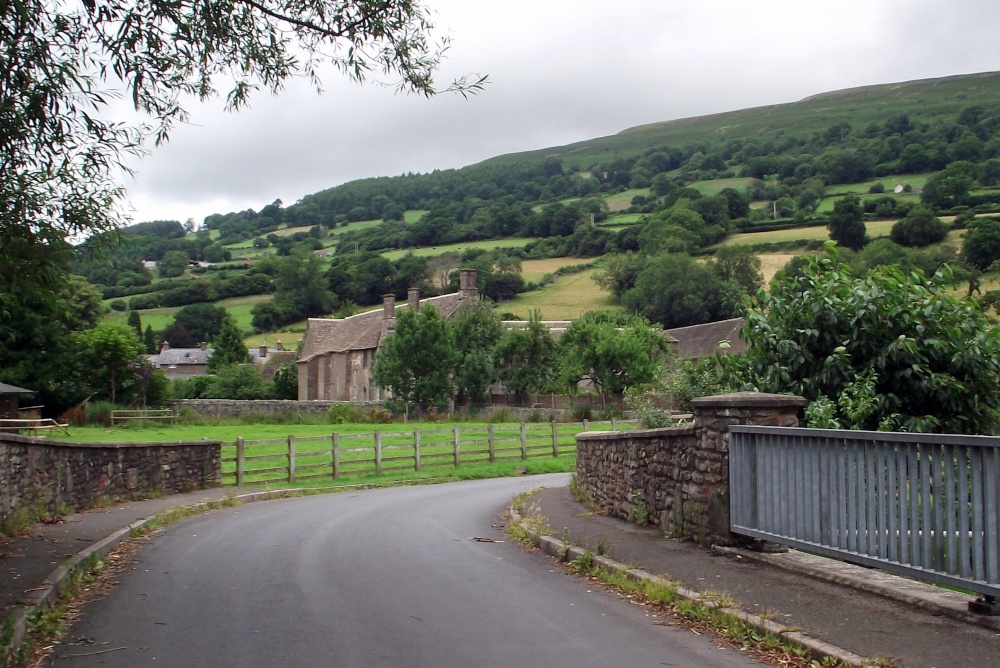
560 71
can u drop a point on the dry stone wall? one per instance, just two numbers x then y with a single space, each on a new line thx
45 474
677 478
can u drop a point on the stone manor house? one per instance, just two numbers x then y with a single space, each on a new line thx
336 355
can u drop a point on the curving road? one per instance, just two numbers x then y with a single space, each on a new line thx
384 577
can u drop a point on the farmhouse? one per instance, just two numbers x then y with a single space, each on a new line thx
337 354
181 362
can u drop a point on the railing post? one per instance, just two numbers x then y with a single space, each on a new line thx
416 449
240 461
614 423
378 452
524 441
492 446
291 458
455 441
336 455
555 438
586 424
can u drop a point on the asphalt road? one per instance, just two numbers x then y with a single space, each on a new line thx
387 577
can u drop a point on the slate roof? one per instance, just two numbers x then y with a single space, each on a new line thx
703 340
181 357
13 389
362 331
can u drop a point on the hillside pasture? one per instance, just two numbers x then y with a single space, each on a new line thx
566 298
534 270
714 187
434 251
160 318
623 200
876 228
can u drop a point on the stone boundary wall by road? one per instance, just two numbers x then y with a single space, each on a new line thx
228 409
43 474
677 478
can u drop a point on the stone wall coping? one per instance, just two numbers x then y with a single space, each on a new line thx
750 400
32 440
625 435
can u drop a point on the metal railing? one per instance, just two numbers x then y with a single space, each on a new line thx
921 505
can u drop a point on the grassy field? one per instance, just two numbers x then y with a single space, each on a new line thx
623 200
709 188
566 298
876 228
159 318
433 251
534 270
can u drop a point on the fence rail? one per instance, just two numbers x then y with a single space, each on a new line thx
339 455
923 505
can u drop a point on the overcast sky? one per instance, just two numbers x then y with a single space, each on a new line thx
560 71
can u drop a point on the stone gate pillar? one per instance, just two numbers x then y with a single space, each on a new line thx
706 490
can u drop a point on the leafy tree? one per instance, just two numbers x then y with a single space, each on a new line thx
236 381
675 290
173 264
614 351
62 152
416 362
951 185
109 354
149 340
846 223
527 359
620 272
981 245
203 321
229 348
135 322
920 227
300 289
905 352
286 382
477 330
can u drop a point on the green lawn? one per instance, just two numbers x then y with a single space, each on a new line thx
159 318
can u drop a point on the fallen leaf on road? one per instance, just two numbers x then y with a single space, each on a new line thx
480 539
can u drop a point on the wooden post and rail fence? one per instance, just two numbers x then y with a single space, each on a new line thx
339 455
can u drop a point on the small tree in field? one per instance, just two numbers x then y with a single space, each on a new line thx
229 348
417 361
882 350
846 224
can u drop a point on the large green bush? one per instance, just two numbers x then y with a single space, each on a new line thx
903 352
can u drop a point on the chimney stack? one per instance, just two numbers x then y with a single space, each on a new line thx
263 350
467 284
204 345
279 347
388 307
413 298
165 345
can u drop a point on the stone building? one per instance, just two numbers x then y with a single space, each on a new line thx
337 353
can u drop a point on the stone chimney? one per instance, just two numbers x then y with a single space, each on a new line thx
388 307
165 345
467 284
278 346
263 350
204 345
413 298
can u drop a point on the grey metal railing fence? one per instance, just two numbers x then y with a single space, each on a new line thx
923 505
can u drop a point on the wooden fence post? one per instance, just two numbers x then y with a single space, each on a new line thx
555 439
240 461
455 441
336 455
291 458
524 441
492 446
378 452
416 449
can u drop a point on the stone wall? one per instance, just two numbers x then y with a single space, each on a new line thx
226 409
45 474
678 478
